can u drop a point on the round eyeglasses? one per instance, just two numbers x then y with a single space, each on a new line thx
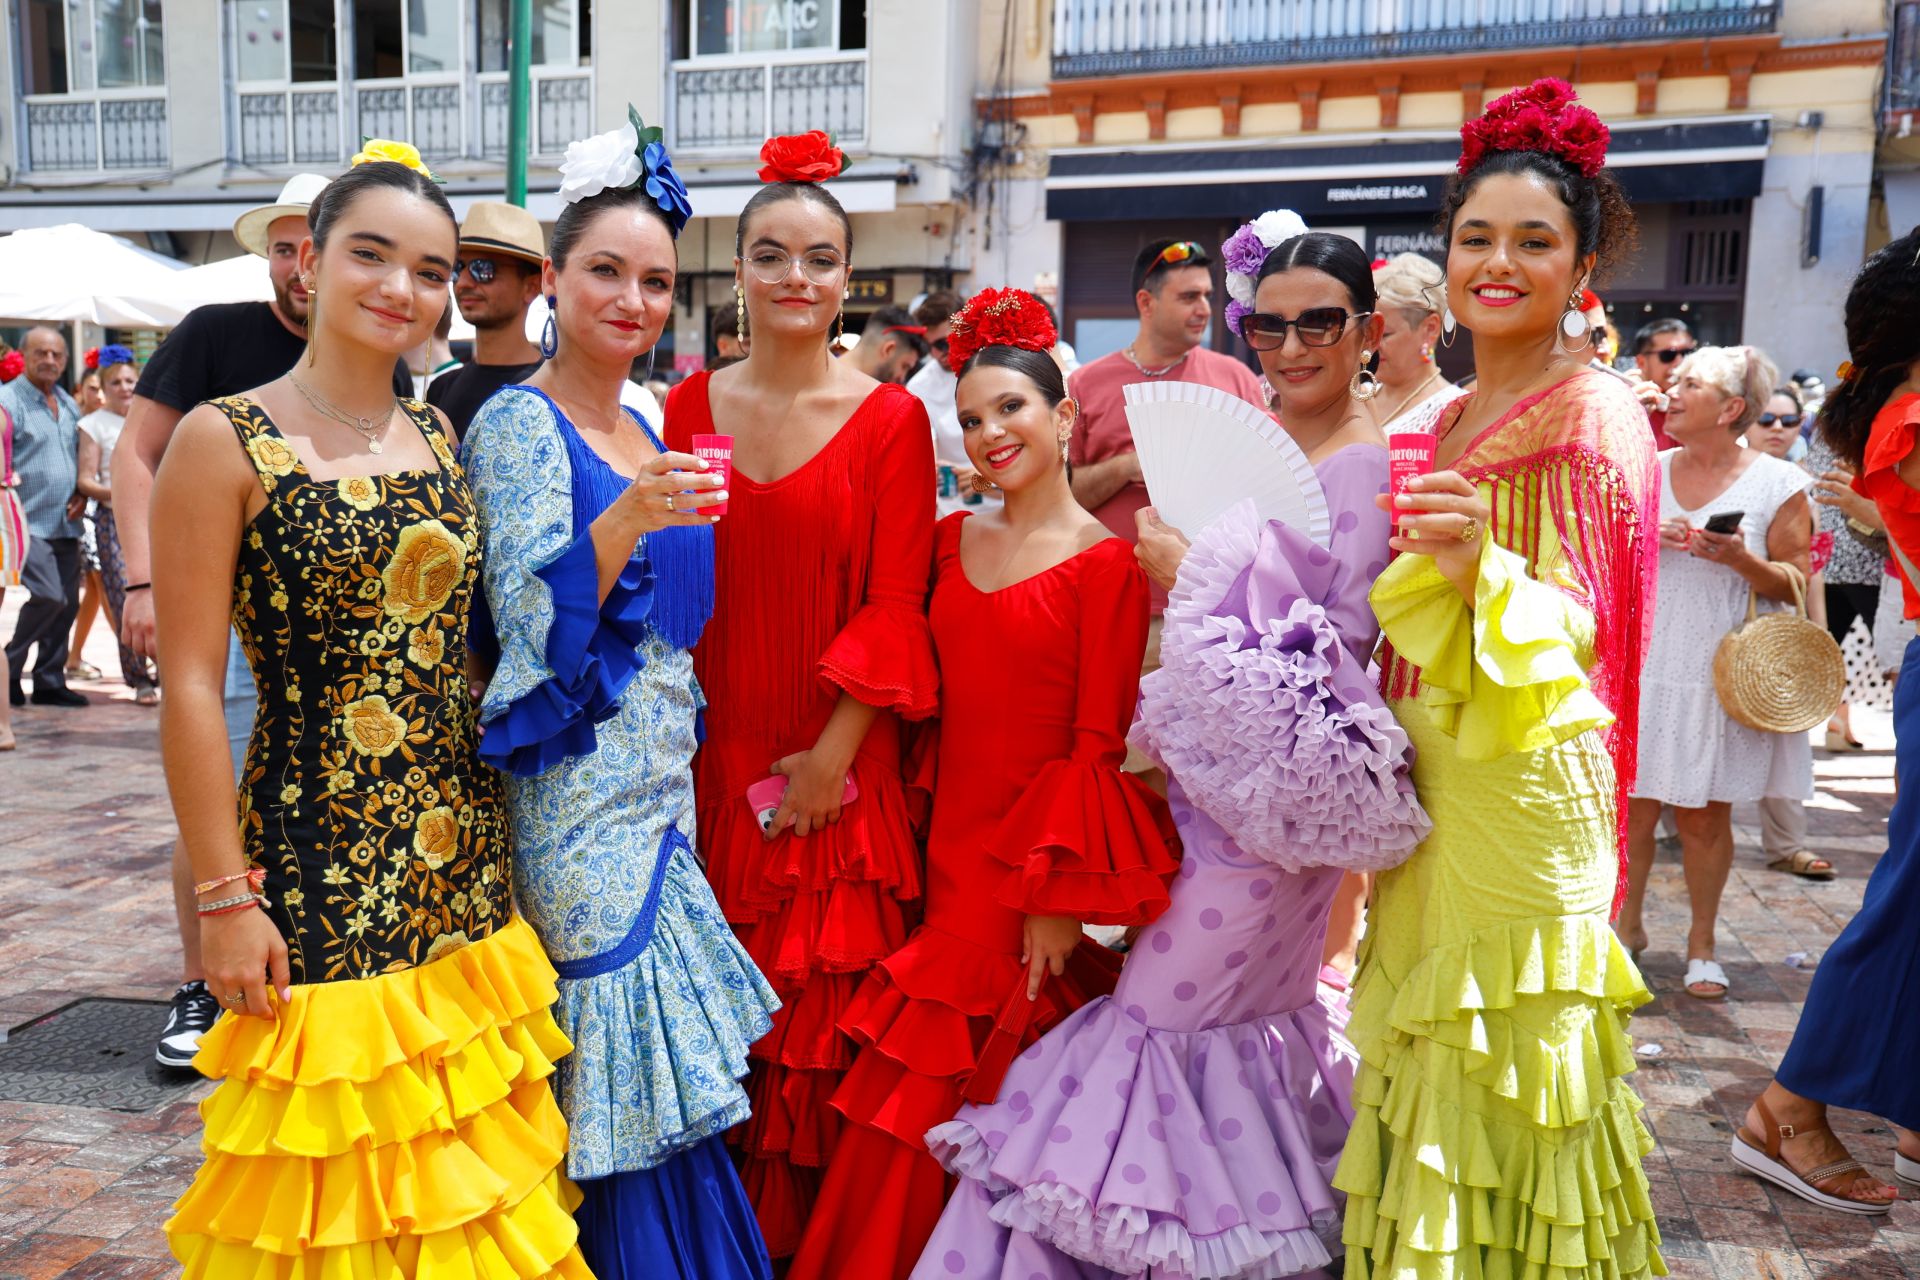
771 266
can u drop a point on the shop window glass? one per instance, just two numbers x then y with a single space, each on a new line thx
314 39
260 38
768 26
433 36
377 40
559 34
128 47
43 47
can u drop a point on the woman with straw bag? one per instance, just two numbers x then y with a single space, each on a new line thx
1734 528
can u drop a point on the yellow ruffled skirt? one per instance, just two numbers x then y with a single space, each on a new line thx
1495 1135
399 1126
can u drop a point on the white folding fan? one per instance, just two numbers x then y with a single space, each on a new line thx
1204 451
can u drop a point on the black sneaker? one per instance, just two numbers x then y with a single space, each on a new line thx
58 696
193 1012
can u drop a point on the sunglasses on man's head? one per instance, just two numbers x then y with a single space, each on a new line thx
1781 419
1676 353
1319 327
1177 252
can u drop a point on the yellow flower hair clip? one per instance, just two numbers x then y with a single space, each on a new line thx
373 150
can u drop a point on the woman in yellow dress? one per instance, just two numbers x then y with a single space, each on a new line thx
1494 1133
384 1108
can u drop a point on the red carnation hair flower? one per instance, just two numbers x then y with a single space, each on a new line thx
1545 116
1000 318
801 157
12 365
92 357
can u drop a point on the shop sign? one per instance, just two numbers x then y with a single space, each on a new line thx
873 289
1369 193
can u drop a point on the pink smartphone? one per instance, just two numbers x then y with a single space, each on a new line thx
763 797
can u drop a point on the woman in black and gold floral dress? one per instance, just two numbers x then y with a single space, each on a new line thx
384 1109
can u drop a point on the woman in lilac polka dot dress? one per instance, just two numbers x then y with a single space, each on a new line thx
1190 1124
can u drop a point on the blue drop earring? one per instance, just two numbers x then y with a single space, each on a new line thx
550 332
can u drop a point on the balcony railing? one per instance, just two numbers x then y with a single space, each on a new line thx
448 119
1114 37
735 105
77 134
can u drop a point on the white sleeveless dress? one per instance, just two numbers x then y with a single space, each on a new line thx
1691 751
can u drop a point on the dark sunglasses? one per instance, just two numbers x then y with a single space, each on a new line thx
938 344
483 270
1320 327
1784 419
1677 353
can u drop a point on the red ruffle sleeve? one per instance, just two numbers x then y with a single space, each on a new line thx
1086 839
884 655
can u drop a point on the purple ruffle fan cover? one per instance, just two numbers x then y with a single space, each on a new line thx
1191 1123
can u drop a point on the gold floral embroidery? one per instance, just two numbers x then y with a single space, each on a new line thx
426 646
383 836
436 837
428 563
272 453
372 727
362 493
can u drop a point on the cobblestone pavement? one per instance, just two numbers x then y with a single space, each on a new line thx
85 913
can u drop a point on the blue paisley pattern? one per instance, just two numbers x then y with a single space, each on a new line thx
592 713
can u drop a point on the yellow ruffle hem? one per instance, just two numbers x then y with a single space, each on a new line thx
398 1126
1495 1136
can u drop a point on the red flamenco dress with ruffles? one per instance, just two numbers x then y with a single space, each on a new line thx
820 582
1032 815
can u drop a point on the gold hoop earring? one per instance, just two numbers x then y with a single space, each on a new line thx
1364 385
1448 325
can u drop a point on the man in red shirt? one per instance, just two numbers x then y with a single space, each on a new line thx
1658 348
1173 291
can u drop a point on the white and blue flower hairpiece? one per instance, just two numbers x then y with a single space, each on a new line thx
631 156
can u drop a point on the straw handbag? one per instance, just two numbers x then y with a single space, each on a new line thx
1780 672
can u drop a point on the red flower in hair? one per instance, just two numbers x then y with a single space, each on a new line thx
12 365
1000 318
801 157
1544 117
92 357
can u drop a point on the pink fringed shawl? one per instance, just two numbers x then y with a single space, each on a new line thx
1580 454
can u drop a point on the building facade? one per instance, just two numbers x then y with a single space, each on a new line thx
1744 131
163 119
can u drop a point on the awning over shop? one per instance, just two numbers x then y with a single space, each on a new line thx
1711 159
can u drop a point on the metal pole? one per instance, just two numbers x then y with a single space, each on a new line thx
519 98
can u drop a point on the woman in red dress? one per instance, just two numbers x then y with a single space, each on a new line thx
817 649
1039 621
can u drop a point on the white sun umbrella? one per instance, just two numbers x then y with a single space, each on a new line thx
71 272
239 279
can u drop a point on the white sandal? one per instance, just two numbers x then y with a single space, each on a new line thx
1907 1169
1707 971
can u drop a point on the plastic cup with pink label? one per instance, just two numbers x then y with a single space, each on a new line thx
1409 454
717 453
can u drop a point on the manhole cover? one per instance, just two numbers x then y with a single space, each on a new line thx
91 1053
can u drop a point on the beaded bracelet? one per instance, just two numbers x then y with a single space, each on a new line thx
254 876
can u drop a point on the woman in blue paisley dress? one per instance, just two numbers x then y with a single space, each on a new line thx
599 577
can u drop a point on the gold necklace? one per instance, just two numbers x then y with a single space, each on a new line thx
370 429
1411 396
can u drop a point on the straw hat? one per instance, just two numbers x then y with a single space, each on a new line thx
250 228
493 227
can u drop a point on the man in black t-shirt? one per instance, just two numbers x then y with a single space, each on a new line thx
218 350
494 283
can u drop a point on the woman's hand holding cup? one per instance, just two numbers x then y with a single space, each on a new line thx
673 489
1441 515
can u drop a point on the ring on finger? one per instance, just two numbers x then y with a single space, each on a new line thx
1470 530
670 506
238 997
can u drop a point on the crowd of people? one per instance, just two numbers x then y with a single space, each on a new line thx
832 825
